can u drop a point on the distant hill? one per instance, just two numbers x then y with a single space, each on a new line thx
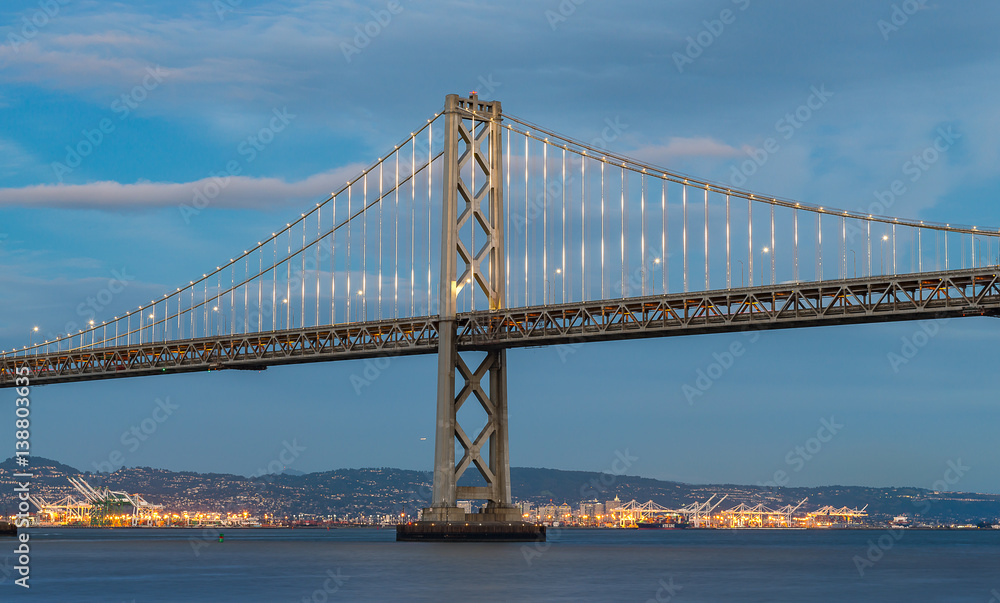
387 490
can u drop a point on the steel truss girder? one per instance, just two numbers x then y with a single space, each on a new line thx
256 351
972 292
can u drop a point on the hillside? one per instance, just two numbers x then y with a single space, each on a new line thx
387 490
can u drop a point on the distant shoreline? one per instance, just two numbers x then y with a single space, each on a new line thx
580 528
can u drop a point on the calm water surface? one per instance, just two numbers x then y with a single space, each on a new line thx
576 565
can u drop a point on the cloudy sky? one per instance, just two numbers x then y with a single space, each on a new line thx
112 113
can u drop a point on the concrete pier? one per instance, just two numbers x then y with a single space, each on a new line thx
452 524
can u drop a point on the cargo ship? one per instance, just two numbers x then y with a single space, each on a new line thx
660 524
7 529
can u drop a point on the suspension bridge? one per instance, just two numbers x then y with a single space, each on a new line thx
481 232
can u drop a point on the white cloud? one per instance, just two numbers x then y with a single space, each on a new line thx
684 148
236 192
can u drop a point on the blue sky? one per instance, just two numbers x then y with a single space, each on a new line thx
172 91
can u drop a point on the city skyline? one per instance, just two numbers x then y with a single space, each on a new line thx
899 404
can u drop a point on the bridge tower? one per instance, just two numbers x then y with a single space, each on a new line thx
472 252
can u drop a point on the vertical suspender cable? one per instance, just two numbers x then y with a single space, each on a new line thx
395 243
642 225
302 277
413 223
260 293
773 282
707 286
663 236
894 272
624 230
795 228
603 294
563 237
430 179
729 268
350 292
378 195
843 245
868 223
333 266
750 242
583 227
684 203
819 246
507 240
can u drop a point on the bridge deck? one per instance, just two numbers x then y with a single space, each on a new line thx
956 293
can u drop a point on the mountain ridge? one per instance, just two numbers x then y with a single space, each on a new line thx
381 490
